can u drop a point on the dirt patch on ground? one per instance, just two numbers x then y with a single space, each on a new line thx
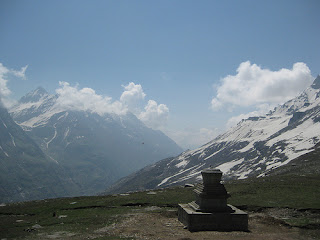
57 235
165 225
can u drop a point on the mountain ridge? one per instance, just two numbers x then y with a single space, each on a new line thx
26 173
254 147
94 150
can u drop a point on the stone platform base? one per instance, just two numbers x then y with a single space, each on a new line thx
201 221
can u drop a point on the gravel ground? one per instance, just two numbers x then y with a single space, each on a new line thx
165 225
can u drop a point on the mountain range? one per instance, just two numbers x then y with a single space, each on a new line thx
47 151
78 152
254 147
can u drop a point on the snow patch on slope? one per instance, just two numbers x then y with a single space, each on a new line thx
210 156
54 135
179 173
193 173
4 151
12 139
4 124
226 167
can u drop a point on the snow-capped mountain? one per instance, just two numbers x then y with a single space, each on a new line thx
25 171
94 150
254 147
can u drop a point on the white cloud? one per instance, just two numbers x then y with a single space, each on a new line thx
4 90
254 85
154 116
70 97
86 99
216 104
21 73
132 95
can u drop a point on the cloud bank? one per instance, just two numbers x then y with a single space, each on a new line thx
4 90
261 89
86 99
253 85
132 94
4 78
155 115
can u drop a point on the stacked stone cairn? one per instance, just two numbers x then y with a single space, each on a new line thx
210 210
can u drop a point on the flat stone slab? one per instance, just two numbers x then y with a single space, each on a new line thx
203 221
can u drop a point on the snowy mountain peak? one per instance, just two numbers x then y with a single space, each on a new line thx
305 101
34 96
34 109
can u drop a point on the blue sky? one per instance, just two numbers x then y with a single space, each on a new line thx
176 53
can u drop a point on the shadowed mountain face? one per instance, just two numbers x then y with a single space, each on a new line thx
254 147
26 173
93 150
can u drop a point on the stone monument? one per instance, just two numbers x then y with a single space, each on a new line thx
210 210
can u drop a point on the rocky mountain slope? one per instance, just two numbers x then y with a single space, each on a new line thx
254 147
93 150
26 173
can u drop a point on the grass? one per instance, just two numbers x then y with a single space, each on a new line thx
80 217
299 192
304 222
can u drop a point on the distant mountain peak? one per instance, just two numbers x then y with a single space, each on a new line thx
316 83
34 95
91 150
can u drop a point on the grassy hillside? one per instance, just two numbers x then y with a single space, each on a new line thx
286 191
82 217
